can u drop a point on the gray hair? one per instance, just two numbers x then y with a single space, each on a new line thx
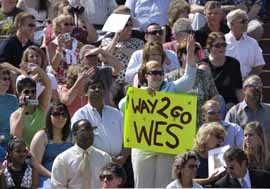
231 16
181 25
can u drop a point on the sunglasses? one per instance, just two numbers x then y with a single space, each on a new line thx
108 177
226 167
211 112
68 24
219 45
58 114
156 72
31 25
155 32
28 91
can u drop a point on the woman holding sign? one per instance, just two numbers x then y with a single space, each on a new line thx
152 169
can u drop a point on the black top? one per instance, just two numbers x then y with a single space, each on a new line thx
227 78
17 177
202 33
11 50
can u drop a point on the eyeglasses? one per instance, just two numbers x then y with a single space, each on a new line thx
108 177
31 25
68 24
28 91
219 45
156 72
155 32
58 114
212 112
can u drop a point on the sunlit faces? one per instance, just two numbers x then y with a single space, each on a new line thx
154 33
213 16
30 92
239 25
18 154
253 90
214 141
190 169
252 140
67 26
96 90
212 113
236 169
28 27
59 118
218 48
155 55
84 135
34 57
109 180
4 80
154 77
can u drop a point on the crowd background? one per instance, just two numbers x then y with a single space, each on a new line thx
63 83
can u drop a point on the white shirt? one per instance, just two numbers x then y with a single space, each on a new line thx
246 178
177 184
246 51
149 11
136 60
108 136
97 11
66 169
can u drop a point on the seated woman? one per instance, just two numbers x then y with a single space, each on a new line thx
8 104
209 136
64 49
52 140
185 169
225 70
112 176
146 164
30 116
32 56
18 171
255 146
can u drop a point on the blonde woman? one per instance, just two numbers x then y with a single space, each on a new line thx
255 146
208 137
64 49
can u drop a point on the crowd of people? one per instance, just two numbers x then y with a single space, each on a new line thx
63 84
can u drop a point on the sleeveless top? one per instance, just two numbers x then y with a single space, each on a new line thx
51 151
32 123
19 179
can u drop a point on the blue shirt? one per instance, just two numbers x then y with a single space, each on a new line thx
8 104
149 11
235 134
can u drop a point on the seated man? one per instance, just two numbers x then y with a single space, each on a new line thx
242 47
80 165
238 175
8 12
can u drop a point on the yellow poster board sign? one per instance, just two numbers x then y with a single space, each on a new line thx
164 123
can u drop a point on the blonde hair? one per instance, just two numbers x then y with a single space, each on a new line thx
233 15
72 73
175 8
37 50
56 25
205 132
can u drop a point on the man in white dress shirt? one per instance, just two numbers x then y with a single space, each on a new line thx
70 168
242 47
154 32
108 120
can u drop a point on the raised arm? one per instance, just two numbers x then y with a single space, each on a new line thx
186 82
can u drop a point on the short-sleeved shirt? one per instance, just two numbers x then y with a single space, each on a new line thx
11 50
227 78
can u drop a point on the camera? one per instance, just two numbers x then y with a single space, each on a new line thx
67 36
29 101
